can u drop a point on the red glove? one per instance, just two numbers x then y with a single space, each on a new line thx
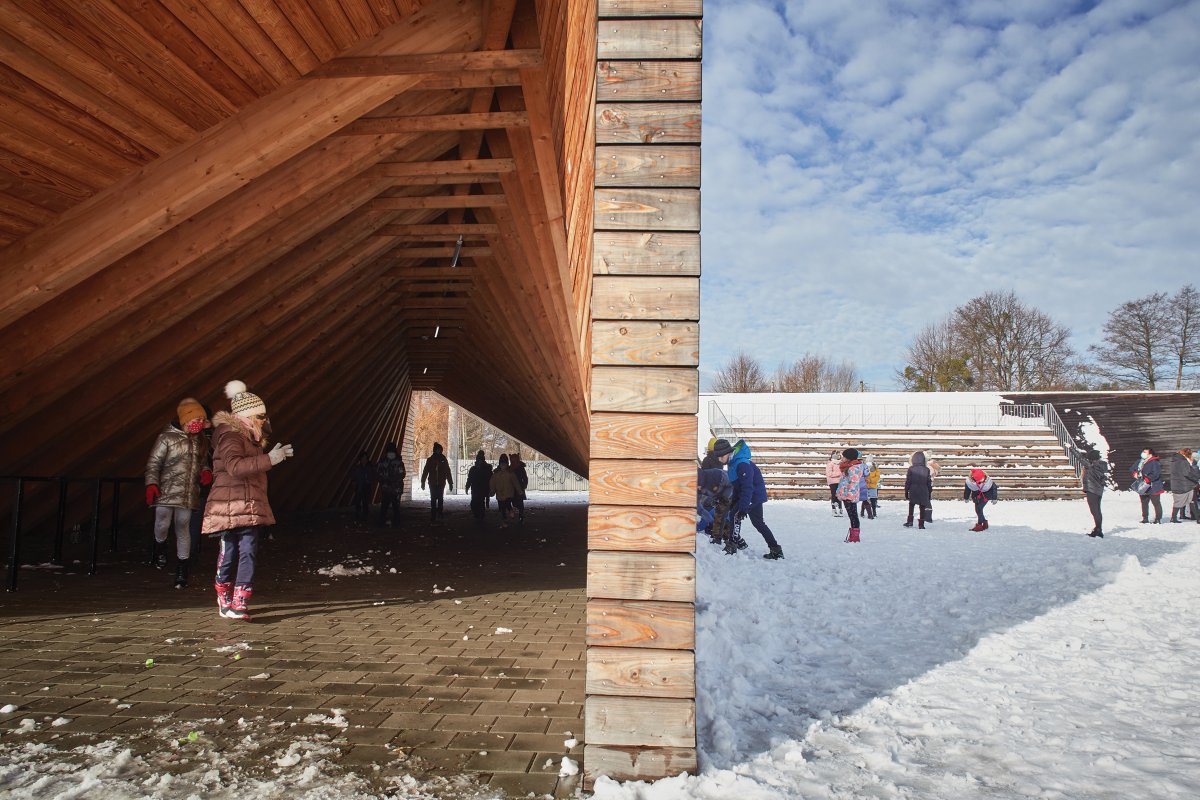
205 476
152 494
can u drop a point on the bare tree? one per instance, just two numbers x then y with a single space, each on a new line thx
741 373
1009 346
1183 331
1135 344
936 362
811 373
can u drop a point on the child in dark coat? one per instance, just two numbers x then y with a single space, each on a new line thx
749 490
918 490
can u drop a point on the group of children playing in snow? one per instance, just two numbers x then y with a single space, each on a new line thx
730 487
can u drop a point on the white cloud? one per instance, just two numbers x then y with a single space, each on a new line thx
866 172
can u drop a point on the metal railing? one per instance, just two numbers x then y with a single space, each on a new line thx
868 415
56 557
1055 423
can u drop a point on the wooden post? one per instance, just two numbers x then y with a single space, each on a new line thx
641 687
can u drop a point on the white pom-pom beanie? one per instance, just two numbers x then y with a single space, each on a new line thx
243 402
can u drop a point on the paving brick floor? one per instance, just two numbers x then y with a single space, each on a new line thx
411 654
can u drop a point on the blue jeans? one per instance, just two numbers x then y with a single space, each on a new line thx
756 519
238 548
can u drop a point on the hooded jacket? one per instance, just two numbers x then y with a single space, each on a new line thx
174 467
873 476
437 472
748 484
239 491
479 478
390 473
833 471
918 483
504 483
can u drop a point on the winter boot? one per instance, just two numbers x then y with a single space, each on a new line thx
182 569
920 524
977 527
837 509
239 608
224 596
159 558
775 554
1096 534
908 523
985 526
852 536
1175 515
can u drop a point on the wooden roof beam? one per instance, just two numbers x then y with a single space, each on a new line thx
436 201
441 229
372 126
440 252
451 166
415 64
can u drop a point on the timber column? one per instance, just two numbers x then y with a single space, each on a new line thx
641 686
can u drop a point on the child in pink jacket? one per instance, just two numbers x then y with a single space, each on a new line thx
833 474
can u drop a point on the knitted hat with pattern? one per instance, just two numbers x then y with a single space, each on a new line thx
243 402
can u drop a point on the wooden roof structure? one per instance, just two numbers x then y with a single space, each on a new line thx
274 192
342 201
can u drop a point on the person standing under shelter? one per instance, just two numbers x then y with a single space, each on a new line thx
437 475
390 473
175 472
1095 478
518 468
505 486
237 509
479 484
362 478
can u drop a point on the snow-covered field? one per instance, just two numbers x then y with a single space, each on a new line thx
1026 661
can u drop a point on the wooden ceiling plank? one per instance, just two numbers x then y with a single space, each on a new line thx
287 37
40 184
475 60
36 137
30 95
440 252
80 80
156 197
370 126
361 17
164 26
462 179
336 24
127 51
235 41
418 238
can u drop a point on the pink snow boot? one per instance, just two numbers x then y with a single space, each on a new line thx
852 536
224 596
239 608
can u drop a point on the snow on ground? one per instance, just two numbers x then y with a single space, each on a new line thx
1027 661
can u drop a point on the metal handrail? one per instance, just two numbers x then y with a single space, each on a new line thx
1055 423
14 554
850 415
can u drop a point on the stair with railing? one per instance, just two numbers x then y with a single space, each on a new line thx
1026 463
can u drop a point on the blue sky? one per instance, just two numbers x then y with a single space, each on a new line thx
870 165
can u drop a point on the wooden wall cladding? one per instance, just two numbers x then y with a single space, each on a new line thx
625 435
648 123
646 342
645 307
646 253
641 623
646 721
641 529
638 672
613 575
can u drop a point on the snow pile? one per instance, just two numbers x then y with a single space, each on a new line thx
342 571
1030 660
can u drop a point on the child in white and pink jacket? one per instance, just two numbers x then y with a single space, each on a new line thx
833 474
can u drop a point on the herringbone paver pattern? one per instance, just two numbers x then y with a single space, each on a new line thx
412 656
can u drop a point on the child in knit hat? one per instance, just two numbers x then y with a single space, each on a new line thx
237 509
175 471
